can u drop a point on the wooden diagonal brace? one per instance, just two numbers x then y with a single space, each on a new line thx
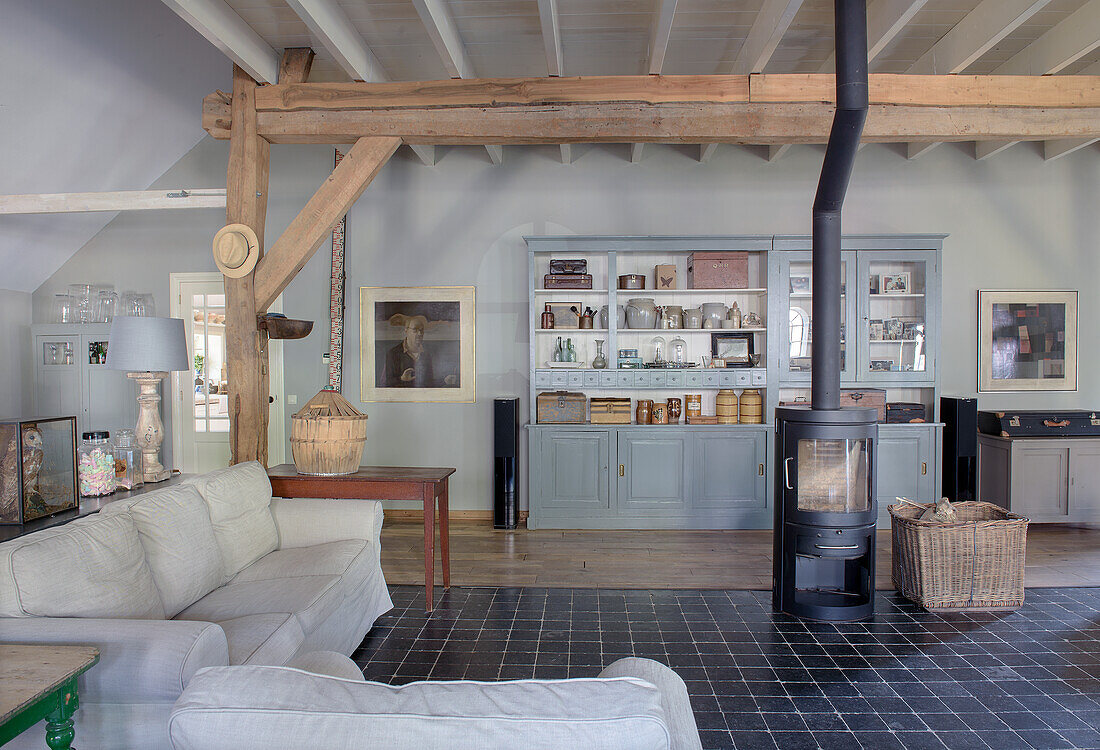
312 225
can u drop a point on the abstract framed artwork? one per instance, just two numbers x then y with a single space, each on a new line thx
1027 341
417 344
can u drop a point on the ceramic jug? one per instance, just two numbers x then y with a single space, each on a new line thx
641 313
715 311
693 318
620 317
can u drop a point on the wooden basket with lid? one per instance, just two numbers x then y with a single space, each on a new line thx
327 436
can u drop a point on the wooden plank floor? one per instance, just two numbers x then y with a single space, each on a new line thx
482 556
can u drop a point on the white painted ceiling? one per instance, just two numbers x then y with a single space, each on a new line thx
95 95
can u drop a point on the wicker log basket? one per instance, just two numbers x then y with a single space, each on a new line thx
327 436
973 563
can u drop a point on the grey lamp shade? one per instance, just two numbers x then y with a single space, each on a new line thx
147 345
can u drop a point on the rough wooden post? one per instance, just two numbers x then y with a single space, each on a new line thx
246 346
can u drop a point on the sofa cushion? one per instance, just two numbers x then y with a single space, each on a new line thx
239 500
95 567
178 538
331 559
263 639
310 599
278 708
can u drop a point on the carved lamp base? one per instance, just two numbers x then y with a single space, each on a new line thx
150 430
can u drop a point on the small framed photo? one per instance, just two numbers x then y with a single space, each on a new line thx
882 365
566 314
800 284
895 283
876 330
736 348
874 283
893 329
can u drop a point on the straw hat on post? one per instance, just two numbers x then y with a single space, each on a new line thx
236 250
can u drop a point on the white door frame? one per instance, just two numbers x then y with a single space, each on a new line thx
276 433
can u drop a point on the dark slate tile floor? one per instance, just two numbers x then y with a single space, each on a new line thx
905 679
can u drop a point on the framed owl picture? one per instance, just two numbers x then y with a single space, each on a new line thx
37 468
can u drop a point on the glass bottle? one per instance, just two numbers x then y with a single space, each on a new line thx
600 361
547 317
558 351
96 464
570 352
128 466
735 315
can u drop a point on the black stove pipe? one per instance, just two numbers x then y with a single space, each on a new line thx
851 112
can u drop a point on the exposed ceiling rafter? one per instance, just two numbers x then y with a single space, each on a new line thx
440 26
1074 37
772 22
551 37
227 31
885 20
658 45
973 36
118 200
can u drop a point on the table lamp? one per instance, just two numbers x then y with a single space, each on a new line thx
148 349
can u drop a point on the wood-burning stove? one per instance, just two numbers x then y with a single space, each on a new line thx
825 510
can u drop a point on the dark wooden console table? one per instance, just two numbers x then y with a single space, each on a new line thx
428 484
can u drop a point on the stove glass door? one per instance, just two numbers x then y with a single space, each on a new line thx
833 476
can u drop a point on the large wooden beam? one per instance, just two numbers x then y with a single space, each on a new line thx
295 65
763 109
314 223
246 203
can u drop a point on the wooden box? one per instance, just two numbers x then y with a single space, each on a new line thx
702 419
560 407
664 277
567 281
718 270
865 397
610 411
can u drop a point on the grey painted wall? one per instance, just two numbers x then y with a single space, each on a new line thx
1014 221
16 376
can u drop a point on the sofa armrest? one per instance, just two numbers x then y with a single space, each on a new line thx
306 521
674 697
140 661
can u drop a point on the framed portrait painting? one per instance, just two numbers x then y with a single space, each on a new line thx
1027 341
417 344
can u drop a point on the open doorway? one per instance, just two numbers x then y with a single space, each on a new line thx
200 401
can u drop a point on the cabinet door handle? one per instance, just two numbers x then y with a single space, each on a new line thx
923 468
760 470
622 470
787 472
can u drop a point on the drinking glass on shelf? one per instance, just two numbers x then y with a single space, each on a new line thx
148 307
62 308
82 302
106 306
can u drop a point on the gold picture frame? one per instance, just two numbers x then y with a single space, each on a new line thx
417 344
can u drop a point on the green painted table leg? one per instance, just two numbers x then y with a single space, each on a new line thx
59 722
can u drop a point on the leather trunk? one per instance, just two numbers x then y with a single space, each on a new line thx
1039 423
567 281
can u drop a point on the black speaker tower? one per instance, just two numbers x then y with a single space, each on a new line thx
960 447
506 450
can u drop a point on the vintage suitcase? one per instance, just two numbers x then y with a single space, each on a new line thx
865 397
901 412
560 407
567 281
718 270
610 411
568 265
1040 423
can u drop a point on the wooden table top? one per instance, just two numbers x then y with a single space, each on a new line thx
383 473
31 672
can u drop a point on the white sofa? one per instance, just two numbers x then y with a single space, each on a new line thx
634 704
212 572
